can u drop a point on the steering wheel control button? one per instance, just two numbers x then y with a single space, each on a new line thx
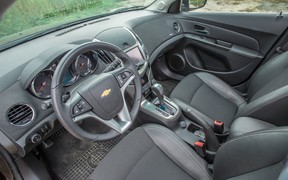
123 77
81 107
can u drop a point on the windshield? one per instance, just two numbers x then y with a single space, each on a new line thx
27 17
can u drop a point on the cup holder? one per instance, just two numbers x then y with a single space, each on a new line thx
193 127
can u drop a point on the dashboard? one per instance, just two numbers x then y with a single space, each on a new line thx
26 115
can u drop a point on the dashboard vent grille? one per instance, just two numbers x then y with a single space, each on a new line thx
69 30
100 20
105 56
20 114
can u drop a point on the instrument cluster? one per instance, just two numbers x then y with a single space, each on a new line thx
84 65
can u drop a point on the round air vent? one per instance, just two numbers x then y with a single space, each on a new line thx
20 114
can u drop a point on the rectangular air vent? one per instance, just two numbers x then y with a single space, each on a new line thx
105 56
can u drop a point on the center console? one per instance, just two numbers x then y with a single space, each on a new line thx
167 114
160 109
155 106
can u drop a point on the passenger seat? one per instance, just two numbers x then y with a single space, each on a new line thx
267 96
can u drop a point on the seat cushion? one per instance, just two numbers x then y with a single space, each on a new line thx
245 125
151 152
209 95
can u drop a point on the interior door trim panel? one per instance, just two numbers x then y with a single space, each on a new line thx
235 49
255 25
228 45
219 33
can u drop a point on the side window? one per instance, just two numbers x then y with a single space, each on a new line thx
239 6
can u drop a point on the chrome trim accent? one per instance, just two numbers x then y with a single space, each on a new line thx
24 104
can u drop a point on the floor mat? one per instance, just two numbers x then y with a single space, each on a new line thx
168 86
72 159
83 167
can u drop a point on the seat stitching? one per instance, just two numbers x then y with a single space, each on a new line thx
251 135
181 146
215 90
139 160
256 169
196 92
266 104
266 83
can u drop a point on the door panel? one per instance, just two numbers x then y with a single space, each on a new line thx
220 34
228 45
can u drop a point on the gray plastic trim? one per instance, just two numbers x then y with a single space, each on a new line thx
22 141
150 109
7 143
157 52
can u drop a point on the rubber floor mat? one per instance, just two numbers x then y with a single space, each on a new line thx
83 167
72 159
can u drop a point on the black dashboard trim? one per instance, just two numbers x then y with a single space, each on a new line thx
160 50
41 62
7 143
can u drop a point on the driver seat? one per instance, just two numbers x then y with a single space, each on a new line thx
154 152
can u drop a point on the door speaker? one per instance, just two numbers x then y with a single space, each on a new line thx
176 62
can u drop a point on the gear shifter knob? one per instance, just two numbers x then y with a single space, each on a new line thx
158 90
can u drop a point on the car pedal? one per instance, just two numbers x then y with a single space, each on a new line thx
47 143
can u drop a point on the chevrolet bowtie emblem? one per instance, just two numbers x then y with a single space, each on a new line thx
106 93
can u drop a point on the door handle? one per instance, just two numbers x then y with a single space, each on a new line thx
200 29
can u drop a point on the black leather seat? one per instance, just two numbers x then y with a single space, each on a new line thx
154 152
267 95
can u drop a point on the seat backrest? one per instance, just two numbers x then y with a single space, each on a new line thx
269 77
257 155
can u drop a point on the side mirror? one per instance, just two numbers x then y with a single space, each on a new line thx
188 5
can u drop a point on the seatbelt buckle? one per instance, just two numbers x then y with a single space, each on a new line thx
218 127
200 148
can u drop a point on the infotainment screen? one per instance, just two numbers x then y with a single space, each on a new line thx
135 55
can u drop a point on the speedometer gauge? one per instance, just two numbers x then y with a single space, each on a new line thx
83 65
41 84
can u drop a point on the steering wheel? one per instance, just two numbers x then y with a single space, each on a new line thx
100 97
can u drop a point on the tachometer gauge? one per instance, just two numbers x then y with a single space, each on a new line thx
41 84
83 65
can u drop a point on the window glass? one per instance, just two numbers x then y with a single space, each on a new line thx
256 6
26 17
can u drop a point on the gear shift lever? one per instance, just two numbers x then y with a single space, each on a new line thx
158 90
